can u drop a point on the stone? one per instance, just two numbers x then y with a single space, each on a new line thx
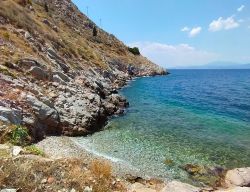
52 55
138 187
44 181
50 180
176 186
10 115
46 116
87 189
8 190
28 63
27 35
38 73
16 150
235 189
45 21
238 177
58 79
63 76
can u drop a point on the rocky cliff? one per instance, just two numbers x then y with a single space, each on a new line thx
59 72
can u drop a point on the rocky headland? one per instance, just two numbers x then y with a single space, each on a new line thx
59 75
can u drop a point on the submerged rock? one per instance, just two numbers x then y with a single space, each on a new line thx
206 175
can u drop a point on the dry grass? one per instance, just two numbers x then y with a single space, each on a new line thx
27 174
13 11
102 172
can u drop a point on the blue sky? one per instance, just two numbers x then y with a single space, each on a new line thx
176 33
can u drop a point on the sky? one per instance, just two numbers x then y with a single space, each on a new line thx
177 33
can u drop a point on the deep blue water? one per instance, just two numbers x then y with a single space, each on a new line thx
190 116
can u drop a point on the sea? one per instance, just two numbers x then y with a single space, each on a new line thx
199 117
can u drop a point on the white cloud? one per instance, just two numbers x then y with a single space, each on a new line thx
223 24
195 31
241 8
184 29
174 55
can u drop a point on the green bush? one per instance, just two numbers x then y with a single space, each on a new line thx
95 31
134 50
20 136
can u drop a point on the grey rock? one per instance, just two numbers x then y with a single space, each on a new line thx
39 73
46 116
10 115
28 63
62 76
52 55
58 79
45 21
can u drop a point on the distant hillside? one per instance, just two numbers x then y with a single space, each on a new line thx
220 65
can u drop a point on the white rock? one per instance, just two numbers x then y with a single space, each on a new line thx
16 150
238 177
87 189
138 187
235 189
8 190
176 186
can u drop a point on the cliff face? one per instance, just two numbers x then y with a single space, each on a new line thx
58 71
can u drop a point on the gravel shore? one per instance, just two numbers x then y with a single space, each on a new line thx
64 147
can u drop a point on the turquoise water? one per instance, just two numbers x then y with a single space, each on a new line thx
191 116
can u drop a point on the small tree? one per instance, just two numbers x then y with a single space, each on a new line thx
95 31
134 50
46 7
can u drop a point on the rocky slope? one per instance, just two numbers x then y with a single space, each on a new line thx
59 72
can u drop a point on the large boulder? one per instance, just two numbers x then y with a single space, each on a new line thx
47 118
176 186
238 177
10 115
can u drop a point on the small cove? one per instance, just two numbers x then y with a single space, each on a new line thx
191 116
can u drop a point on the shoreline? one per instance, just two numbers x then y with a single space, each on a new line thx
71 149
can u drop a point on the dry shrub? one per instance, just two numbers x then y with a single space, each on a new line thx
17 15
102 171
24 2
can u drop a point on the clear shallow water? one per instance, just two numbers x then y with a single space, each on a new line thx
191 116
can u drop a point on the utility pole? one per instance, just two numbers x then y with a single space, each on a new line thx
101 23
87 10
